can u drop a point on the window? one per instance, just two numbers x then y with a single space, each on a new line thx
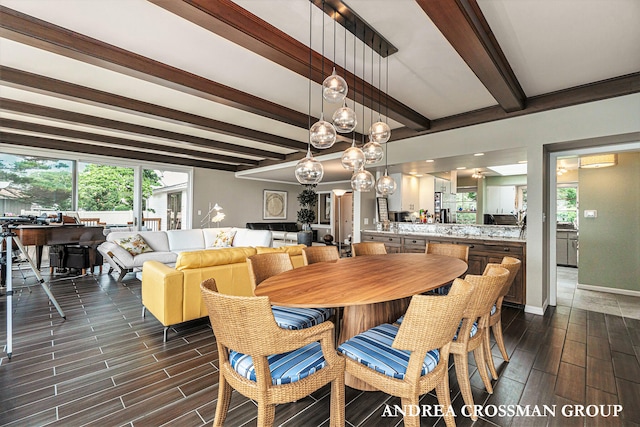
466 205
567 204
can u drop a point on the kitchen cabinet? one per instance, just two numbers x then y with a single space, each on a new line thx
500 199
407 195
481 253
567 247
393 243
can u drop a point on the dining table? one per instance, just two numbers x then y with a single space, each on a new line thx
372 290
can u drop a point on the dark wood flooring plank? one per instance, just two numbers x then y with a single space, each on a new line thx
598 347
626 366
571 382
629 396
606 416
600 375
575 353
577 332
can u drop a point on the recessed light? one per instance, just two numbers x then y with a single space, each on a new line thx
522 162
461 168
478 154
419 175
429 161
413 173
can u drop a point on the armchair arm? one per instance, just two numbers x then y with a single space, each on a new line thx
162 292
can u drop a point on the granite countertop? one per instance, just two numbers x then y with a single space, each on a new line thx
490 238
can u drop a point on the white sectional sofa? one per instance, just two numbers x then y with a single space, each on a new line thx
167 245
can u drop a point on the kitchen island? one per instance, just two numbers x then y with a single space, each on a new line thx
487 244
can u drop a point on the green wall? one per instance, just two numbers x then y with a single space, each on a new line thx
609 245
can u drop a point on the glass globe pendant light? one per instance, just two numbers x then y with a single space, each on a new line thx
344 119
322 134
372 152
334 88
309 170
353 158
362 180
386 185
379 132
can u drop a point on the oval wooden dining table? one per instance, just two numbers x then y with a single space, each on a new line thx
372 289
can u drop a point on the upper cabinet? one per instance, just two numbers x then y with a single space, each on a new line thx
407 195
500 199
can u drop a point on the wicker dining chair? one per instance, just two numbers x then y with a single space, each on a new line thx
314 254
368 248
449 249
495 316
474 326
412 359
263 266
251 344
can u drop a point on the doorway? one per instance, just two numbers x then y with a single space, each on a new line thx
343 214
577 287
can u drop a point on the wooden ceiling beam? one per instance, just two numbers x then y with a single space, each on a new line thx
35 110
591 92
73 92
464 26
31 31
124 142
75 147
228 20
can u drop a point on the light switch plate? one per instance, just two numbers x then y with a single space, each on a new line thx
591 213
366 221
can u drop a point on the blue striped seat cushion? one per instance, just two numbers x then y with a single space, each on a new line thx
474 328
373 349
285 368
493 310
300 318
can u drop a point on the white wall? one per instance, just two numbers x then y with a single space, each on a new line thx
614 116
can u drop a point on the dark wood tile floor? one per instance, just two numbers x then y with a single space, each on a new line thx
106 366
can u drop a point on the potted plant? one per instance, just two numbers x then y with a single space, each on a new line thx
307 199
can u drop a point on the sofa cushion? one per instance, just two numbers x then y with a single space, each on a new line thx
246 237
185 240
135 245
224 239
291 250
209 258
157 240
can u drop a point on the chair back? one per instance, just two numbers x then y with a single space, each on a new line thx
431 320
487 288
243 324
314 254
449 249
368 248
511 264
263 266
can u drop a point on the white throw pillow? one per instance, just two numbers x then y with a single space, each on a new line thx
224 239
135 245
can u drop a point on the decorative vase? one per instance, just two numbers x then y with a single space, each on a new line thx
305 237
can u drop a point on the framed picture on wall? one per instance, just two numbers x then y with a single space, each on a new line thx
274 204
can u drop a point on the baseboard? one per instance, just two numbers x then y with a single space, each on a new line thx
535 310
609 290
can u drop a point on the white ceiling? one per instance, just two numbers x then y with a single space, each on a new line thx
551 45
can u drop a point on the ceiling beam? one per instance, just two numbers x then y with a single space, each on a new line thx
56 144
53 87
462 23
228 20
35 110
130 144
34 32
591 92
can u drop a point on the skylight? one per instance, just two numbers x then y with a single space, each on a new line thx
506 170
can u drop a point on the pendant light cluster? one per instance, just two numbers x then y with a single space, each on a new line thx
323 134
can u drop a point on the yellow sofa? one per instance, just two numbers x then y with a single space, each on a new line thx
172 294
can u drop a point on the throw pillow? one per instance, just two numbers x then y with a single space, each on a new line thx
135 245
224 239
